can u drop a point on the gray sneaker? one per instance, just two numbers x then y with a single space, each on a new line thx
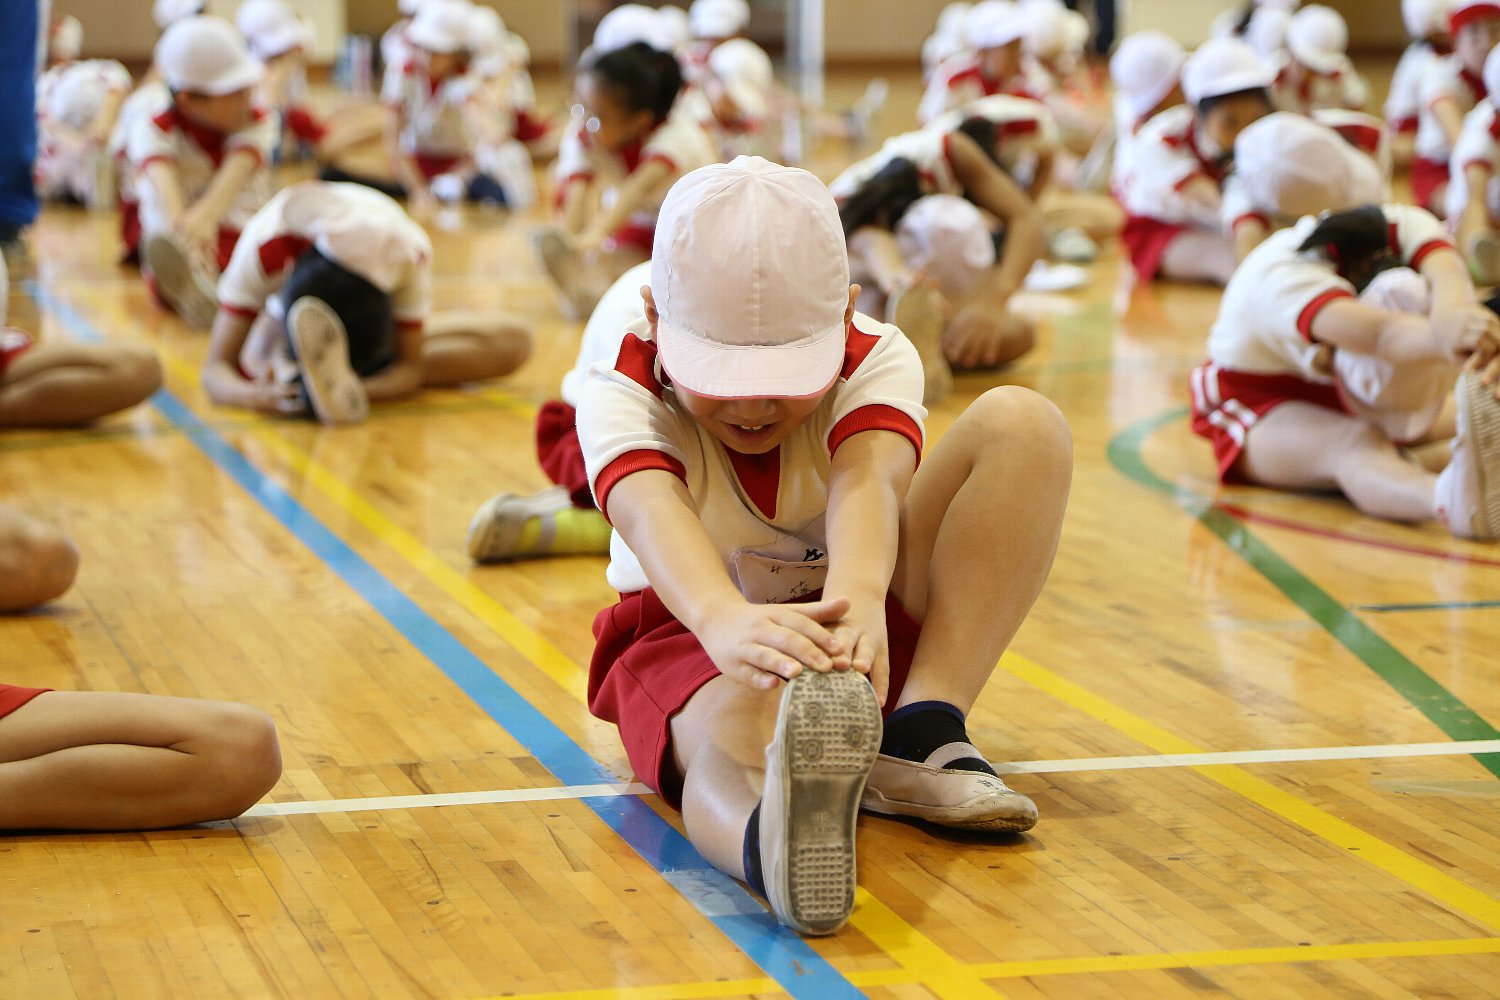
827 735
321 346
179 281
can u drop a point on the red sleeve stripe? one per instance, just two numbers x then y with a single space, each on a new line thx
1427 248
409 324
661 157
1486 164
1188 180
156 158
1251 217
1401 126
628 464
235 310
1310 311
876 417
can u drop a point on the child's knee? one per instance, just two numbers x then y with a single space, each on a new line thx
1014 417
247 757
37 564
140 368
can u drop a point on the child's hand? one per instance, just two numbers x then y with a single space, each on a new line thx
755 644
862 631
273 395
979 335
200 232
1465 333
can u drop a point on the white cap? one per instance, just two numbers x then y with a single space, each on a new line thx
950 22
1145 68
1318 38
627 24
1046 28
168 12
718 18
1291 165
441 26
76 97
488 41
1222 66
745 71
993 23
519 51
1267 31
751 280
66 39
946 236
408 7
676 28
1425 17
206 55
1492 73
270 28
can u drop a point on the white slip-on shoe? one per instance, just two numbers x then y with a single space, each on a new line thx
968 800
321 346
827 735
181 283
499 530
1467 494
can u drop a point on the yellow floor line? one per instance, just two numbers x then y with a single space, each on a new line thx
915 952
1456 895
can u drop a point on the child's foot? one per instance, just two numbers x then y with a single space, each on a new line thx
321 346
1484 258
180 283
105 195
917 311
1045 277
827 735
1467 495
510 526
1072 245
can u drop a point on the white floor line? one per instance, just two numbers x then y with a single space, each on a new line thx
503 795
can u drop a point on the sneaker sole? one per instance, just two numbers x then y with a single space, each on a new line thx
495 538
828 731
322 349
915 312
178 281
1486 256
1480 414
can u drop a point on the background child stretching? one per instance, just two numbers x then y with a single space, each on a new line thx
754 445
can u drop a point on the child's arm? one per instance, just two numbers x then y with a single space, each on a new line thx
1475 217
646 178
577 194
199 222
404 166
869 479
991 189
403 376
1445 110
221 373
753 644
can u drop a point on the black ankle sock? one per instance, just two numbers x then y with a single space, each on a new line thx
751 856
913 732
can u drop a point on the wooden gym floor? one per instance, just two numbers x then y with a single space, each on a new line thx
1256 724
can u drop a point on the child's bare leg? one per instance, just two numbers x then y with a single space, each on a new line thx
1097 215
115 761
1300 446
1199 255
997 483
469 346
37 561
65 383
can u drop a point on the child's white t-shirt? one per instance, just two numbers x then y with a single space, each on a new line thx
754 508
1403 102
928 149
1165 157
1445 78
197 154
680 142
1478 142
434 116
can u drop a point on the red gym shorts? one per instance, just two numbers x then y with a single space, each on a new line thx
1226 404
13 344
647 664
12 697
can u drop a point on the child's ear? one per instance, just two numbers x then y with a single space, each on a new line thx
854 291
650 302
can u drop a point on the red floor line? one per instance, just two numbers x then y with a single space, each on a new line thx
1308 529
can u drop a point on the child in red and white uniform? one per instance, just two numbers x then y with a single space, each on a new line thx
1171 183
332 282
76 113
1450 89
1053 59
947 39
395 47
201 165
1315 71
786 571
279 39
994 30
712 22
628 142
1427 24
1274 398
1146 70
1474 191
1287 166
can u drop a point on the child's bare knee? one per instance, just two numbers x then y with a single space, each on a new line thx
1012 417
37 563
141 368
246 756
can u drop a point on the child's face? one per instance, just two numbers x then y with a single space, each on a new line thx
1002 61
224 113
608 120
442 64
1474 41
1229 118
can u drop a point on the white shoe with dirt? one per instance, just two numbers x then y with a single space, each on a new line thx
1467 496
179 281
967 800
321 346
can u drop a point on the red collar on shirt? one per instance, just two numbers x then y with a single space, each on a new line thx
1189 141
1474 81
210 140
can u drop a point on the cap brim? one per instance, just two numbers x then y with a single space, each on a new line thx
789 371
750 99
1236 83
1323 63
433 41
246 74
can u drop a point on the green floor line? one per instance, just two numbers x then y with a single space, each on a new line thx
1431 606
1436 702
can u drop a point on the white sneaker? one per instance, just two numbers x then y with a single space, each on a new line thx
334 391
105 194
183 285
968 800
827 735
1467 495
1484 258
567 271
916 312
1073 245
1045 277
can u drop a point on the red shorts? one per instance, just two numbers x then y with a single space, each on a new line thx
13 344
560 454
1146 241
12 697
1426 177
647 664
633 234
130 230
1226 404
433 164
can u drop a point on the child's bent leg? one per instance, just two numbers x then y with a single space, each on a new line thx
1300 446
997 483
57 383
470 346
37 561
1198 255
114 761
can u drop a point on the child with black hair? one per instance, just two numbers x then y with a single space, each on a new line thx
1324 362
325 306
622 151
920 244
1171 182
1450 88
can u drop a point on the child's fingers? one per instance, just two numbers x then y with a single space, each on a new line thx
797 647
864 654
826 611
826 643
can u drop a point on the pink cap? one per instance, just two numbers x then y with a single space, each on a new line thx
744 70
206 55
751 280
